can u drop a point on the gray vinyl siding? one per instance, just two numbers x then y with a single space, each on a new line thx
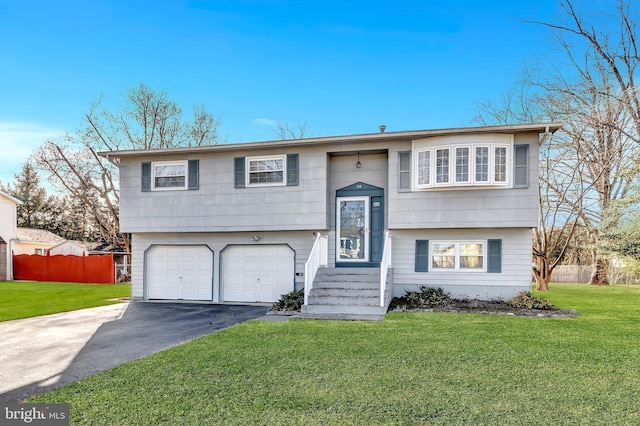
514 277
218 206
466 208
301 242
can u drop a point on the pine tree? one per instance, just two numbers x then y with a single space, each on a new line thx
35 210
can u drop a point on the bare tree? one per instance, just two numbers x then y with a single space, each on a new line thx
593 160
595 93
561 192
285 130
588 45
148 120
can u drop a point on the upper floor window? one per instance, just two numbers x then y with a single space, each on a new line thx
169 175
475 164
266 170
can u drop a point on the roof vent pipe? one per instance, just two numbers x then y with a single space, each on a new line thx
382 127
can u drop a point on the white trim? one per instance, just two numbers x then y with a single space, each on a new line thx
247 169
183 163
456 255
452 173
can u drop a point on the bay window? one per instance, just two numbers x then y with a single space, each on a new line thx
475 164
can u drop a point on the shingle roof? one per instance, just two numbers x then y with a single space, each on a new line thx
28 235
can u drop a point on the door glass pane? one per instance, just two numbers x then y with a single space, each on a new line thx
352 229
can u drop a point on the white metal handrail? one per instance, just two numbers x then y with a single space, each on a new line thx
319 256
385 263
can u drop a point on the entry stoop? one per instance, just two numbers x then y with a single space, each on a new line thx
347 294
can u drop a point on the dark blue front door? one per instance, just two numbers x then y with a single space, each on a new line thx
359 225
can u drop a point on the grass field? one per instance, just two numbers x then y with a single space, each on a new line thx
29 299
411 368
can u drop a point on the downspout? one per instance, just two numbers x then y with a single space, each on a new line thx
10 255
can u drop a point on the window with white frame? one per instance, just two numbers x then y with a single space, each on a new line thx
462 165
169 175
453 165
442 166
424 168
266 170
458 255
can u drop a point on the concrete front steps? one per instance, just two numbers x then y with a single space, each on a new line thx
347 294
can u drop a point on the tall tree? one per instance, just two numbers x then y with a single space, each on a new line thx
591 88
604 40
36 208
148 120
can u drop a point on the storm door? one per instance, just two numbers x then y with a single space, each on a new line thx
352 242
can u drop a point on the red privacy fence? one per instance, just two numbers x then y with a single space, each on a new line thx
64 268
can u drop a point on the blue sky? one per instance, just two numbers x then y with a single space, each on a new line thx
342 66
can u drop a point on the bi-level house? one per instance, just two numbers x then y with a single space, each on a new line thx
353 219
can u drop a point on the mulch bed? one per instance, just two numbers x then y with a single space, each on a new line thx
493 307
476 307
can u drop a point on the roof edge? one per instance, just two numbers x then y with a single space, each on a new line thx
354 138
10 197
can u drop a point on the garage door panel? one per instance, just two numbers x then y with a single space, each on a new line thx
257 273
180 273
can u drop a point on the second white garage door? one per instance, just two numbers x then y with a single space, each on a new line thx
257 273
180 272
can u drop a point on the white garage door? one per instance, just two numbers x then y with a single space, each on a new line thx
180 273
257 273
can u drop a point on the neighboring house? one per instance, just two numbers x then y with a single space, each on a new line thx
84 248
385 212
35 241
8 235
78 248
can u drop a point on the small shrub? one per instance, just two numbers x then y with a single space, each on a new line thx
292 301
427 297
525 300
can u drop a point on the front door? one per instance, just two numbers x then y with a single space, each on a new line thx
352 242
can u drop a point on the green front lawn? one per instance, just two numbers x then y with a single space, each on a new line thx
411 368
30 299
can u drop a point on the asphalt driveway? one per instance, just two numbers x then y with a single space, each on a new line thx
42 353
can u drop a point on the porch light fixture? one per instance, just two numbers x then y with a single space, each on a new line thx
358 164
